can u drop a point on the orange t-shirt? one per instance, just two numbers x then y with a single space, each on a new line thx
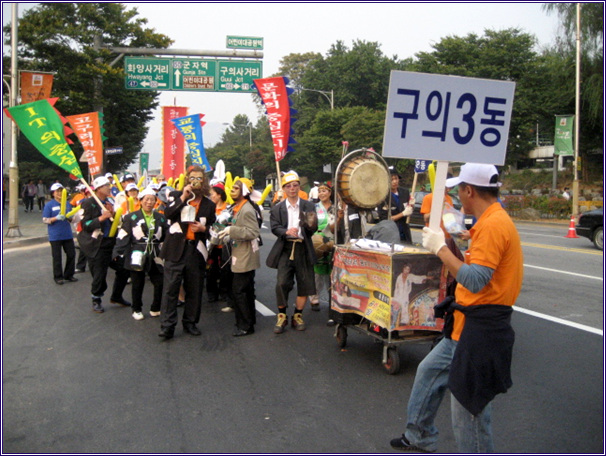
426 208
495 243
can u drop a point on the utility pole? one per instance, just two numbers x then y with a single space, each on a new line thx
13 201
577 115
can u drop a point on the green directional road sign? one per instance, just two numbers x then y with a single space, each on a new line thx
238 75
244 42
200 75
193 74
147 73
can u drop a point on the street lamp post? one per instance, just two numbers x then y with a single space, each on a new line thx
330 99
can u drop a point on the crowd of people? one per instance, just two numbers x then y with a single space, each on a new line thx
206 236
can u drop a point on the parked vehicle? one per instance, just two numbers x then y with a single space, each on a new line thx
591 226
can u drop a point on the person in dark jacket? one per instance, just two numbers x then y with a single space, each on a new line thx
138 242
95 241
191 214
293 221
473 360
401 206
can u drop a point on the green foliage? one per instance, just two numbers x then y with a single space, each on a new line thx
60 37
547 206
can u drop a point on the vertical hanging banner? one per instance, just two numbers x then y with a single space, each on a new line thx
275 96
42 125
562 144
173 144
88 130
35 86
191 129
143 163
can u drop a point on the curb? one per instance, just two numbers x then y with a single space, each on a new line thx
16 243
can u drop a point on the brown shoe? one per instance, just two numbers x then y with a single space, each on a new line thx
297 322
281 323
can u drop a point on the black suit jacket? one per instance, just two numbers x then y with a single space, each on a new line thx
174 243
279 225
88 240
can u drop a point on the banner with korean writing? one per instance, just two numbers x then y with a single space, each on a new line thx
88 130
35 86
275 96
421 166
173 143
41 124
562 144
191 129
447 118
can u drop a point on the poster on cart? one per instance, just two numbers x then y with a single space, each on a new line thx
394 291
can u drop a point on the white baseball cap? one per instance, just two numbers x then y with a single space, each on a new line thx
130 187
478 174
100 182
146 191
56 186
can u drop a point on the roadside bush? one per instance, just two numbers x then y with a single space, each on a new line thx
547 206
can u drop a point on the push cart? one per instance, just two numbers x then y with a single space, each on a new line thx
388 295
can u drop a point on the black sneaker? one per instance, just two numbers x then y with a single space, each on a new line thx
402 444
97 307
120 301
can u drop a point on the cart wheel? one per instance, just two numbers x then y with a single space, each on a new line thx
392 365
341 336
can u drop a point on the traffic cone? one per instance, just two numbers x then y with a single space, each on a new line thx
572 232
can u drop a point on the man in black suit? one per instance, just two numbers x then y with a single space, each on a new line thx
293 221
97 244
191 214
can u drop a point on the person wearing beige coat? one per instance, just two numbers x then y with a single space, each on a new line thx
243 235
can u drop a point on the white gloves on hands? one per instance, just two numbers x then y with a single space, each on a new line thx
224 232
408 211
433 240
60 217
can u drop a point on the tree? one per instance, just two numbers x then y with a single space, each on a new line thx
60 37
502 55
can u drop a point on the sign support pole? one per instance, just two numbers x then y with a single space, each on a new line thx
435 216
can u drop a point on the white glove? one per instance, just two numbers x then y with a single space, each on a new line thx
224 232
433 240
408 211
60 217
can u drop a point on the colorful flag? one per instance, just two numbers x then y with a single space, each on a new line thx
35 86
143 163
88 130
562 144
173 144
275 96
42 125
191 129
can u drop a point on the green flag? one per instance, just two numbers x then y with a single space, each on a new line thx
562 144
41 124
143 162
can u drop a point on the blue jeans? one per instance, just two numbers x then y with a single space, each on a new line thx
472 433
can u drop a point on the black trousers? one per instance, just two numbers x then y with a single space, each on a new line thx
99 264
69 248
244 300
300 268
190 269
156 277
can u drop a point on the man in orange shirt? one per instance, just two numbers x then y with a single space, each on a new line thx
473 360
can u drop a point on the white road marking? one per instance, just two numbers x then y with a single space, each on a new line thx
263 310
599 332
565 272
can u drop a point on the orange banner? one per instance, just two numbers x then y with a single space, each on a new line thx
87 128
35 86
173 143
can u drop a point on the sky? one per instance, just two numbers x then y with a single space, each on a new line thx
401 29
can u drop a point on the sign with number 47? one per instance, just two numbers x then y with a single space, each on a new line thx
447 118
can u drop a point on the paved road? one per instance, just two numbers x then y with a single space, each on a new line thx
75 381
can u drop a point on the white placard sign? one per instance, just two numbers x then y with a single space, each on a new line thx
448 118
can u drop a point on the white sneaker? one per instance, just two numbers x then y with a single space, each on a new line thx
227 309
154 314
138 316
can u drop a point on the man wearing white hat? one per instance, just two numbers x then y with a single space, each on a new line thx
60 236
293 221
477 323
96 243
